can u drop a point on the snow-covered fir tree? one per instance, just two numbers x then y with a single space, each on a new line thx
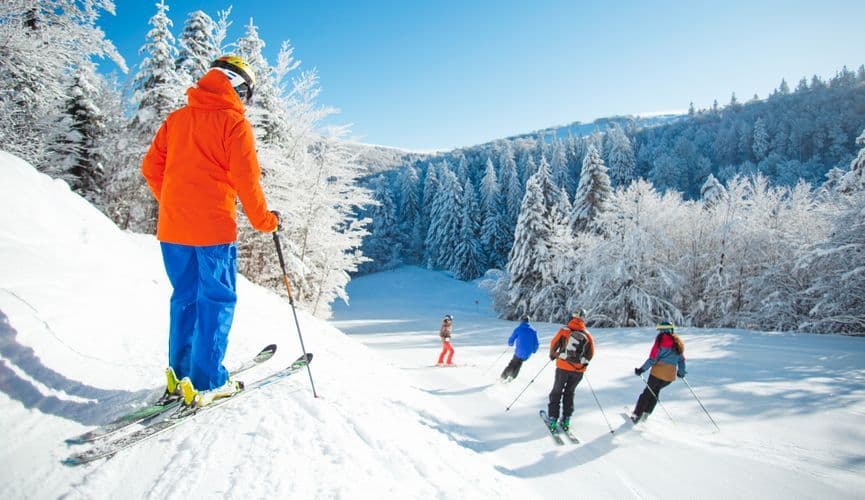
410 213
382 245
854 180
529 260
42 42
264 113
621 161
197 46
558 164
430 188
512 192
592 193
157 90
712 191
467 260
761 139
75 139
494 230
444 220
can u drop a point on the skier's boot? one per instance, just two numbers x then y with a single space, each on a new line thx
634 418
553 426
172 388
226 390
566 424
187 390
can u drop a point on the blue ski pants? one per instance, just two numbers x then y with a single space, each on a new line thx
202 310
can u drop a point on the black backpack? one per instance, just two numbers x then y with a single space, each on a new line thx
575 347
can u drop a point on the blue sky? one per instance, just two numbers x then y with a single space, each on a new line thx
427 75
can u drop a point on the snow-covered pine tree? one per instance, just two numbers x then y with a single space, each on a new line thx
429 189
264 113
74 141
552 193
42 40
529 260
410 214
157 90
493 229
197 46
712 191
621 161
467 262
382 244
761 139
592 193
444 219
854 180
157 87
558 164
512 191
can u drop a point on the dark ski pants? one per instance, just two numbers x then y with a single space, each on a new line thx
646 402
563 393
513 368
202 310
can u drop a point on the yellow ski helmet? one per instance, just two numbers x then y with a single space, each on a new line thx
239 73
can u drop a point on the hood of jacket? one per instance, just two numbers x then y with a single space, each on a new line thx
214 91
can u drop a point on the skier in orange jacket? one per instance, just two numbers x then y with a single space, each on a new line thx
201 160
572 348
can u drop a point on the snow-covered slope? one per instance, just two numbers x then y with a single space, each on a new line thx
83 318
83 313
790 406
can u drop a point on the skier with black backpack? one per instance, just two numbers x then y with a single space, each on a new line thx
572 348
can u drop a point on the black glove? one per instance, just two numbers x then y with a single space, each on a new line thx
278 219
681 373
553 355
638 371
584 361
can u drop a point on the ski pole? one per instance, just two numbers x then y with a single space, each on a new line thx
657 398
291 301
527 386
599 404
701 404
498 358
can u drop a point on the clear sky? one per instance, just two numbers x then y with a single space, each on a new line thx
427 75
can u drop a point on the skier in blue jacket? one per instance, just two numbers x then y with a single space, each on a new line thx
526 339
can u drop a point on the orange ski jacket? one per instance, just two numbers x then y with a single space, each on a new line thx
561 338
201 160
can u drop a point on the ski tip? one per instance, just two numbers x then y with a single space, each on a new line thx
71 462
75 440
269 349
304 359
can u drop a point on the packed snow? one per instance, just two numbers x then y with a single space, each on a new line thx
83 338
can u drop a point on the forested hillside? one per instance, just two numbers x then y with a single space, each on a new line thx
699 220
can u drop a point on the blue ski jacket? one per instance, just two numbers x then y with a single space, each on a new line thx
526 338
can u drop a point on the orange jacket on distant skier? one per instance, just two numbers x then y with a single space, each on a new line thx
201 160
561 339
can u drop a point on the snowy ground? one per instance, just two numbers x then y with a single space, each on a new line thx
83 313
